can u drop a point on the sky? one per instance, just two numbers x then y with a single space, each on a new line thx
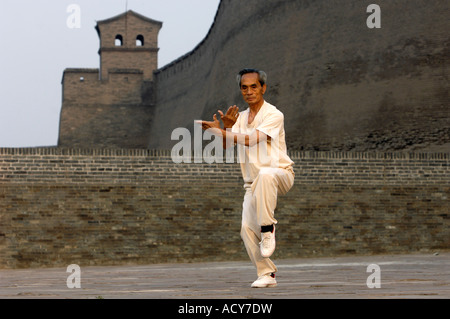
41 38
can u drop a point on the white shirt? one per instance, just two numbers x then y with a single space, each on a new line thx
272 153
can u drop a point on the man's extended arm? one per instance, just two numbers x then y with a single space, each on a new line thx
231 138
243 139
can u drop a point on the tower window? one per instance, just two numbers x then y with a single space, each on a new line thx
119 40
140 40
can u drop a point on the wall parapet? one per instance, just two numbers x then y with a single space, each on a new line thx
83 151
167 153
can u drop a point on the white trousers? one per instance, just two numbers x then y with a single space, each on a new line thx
258 209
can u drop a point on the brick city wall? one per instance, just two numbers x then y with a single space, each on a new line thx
341 85
104 207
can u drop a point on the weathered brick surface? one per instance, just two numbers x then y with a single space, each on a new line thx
100 207
340 85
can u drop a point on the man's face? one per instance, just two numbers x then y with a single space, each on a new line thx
251 89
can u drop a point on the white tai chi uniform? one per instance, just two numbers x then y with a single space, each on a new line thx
267 172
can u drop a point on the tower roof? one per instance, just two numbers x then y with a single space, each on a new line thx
123 16
129 12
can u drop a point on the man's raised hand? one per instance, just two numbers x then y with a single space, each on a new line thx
230 117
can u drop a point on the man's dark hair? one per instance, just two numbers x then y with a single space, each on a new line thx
262 75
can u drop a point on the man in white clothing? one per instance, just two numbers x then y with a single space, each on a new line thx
266 168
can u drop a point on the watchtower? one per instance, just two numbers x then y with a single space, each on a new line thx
128 41
112 107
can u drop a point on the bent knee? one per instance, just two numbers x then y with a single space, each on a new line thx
268 171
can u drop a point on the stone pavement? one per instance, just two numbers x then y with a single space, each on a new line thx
401 276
